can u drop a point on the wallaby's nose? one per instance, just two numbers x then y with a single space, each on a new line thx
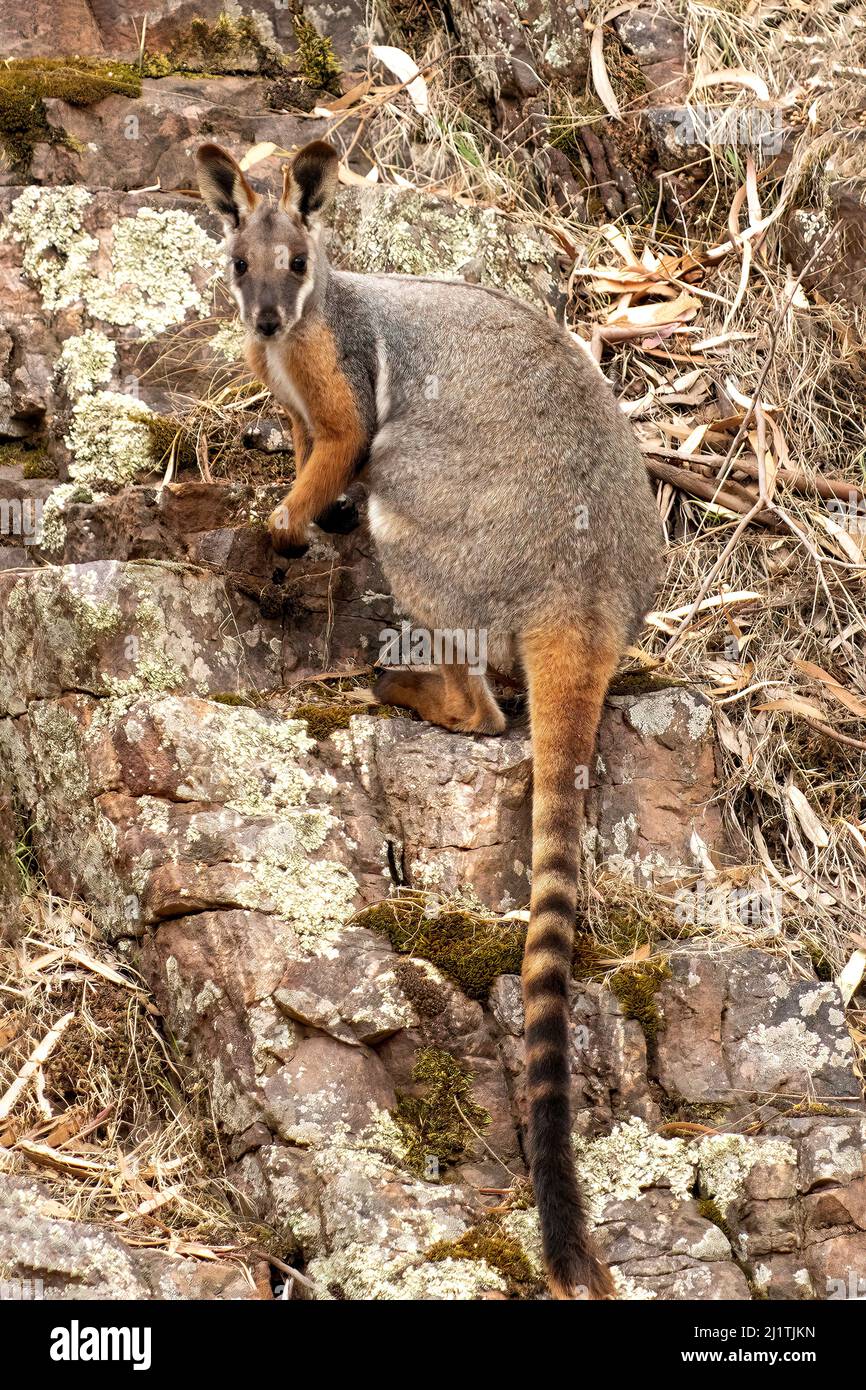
267 322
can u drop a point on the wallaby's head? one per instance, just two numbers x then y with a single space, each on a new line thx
276 260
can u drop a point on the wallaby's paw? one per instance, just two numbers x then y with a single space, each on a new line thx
490 723
285 538
340 518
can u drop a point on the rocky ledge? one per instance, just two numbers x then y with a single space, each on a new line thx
325 899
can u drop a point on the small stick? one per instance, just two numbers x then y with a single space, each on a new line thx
292 1273
38 1056
706 489
847 739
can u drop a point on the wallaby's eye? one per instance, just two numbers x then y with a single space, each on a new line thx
240 267
298 264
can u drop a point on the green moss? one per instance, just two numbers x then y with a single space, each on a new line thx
38 464
816 1107
426 995
443 1120
26 82
466 946
227 44
167 433
636 988
624 71
488 1242
640 683
316 59
568 118
323 719
292 94
624 917
587 956
674 1109
246 699
33 459
821 963
711 1212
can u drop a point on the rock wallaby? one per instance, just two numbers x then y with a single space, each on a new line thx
506 494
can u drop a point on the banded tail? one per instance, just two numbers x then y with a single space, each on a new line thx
567 676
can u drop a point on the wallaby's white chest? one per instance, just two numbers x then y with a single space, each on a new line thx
282 384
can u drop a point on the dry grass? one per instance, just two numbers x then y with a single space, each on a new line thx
106 1119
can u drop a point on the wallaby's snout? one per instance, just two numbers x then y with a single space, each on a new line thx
268 322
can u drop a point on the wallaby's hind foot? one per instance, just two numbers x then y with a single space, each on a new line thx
448 696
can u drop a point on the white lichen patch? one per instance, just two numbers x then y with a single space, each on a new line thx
315 896
366 1273
379 1221
629 1289
762 1276
155 670
789 1048
109 438
398 230
228 341
53 532
629 1160
653 714
525 1228
258 765
811 1000
632 1159
86 360
150 282
57 251
725 1161
713 1244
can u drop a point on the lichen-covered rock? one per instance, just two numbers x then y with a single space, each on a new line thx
827 243
656 37
150 140
399 230
60 1257
655 768
217 35
93 283
10 877
513 46
122 629
743 1027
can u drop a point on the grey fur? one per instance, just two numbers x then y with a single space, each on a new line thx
498 434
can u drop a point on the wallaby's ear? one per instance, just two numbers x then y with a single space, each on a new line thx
223 185
310 180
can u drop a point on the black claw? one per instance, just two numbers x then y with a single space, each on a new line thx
340 518
292 552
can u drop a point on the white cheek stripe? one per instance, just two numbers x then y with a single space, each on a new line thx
303 295
306 288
